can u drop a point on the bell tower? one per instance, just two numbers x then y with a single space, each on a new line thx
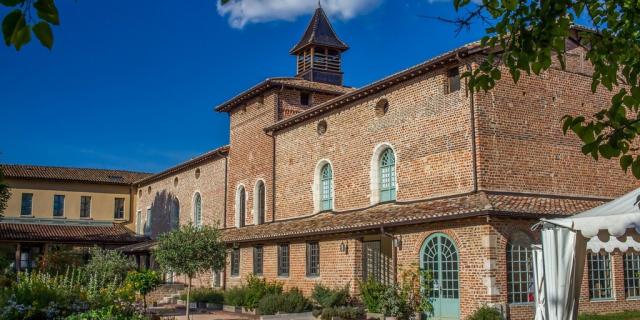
318 51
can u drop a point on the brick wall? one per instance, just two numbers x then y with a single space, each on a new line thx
429 131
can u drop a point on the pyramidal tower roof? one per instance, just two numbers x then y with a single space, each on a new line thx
320 33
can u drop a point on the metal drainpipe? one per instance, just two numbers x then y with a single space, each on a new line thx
224 211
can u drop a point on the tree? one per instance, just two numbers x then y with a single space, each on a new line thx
144 282
5 193
108 263
528 34
18 24
190 250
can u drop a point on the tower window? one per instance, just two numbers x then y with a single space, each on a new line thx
453 80
305 98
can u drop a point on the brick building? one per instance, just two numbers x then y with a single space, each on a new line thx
323 183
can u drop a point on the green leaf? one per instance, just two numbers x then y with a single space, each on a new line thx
11 3
635 168
536 67
47 11
10 24
42 30
626 161
22 36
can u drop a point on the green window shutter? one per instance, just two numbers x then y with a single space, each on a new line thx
387 176
326 175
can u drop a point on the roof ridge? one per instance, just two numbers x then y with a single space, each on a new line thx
66 167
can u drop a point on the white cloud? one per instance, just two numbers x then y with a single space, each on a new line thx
243 12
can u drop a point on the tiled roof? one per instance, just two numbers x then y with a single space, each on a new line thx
120 177
209 155
145 246
295 83
106 234
319 32
398 214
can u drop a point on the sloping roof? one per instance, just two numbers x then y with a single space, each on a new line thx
145 246
98 234
319 32
449 57
102 176
295 83
209 155
398 214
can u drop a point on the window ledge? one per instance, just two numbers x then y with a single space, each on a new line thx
633 298
62 217
86 218
603 300
314 278
120 219
522 304
27 216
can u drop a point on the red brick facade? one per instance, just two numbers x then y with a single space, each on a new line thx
446 144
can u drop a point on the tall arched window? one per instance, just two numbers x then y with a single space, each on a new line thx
197 210
260 203
519 269
326 187
387 175
175 214
241 209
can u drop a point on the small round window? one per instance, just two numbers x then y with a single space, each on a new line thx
322 127
175 182
197 173
382 106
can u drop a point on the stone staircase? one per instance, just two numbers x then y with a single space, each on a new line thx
166 294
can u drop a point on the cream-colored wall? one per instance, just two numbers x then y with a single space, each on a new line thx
102 199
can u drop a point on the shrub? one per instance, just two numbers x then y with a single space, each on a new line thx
58 261
109 263
235 296
325 297
107 313
205 295
292 301
344 313
486 313
257 288
372 293
143 282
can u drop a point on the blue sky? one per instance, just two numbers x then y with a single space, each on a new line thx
132 84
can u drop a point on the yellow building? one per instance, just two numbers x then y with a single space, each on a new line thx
66 206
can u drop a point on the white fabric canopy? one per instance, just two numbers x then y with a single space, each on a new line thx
611 226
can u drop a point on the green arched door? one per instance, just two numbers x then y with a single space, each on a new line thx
440 256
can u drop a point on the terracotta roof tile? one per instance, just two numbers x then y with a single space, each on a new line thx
209 155
397 214
111 233
296 83
120 177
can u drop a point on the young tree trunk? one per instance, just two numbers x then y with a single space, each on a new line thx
144 302
188 294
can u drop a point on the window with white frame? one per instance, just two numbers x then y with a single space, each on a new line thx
387 169
326 187
632 274
519 269
600 285
197 209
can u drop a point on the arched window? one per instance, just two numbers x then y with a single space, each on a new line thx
387 175
241 208
197 210
175 214
259 203
326 187
519 269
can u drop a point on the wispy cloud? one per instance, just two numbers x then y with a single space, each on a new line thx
243 12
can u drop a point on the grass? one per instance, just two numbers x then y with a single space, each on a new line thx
625 315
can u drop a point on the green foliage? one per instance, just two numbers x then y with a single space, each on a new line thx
625 315
485 313
257 288
372 293
107 313
235 296
143 282
191 250
410 296
344 313
325 297
5 193
206 295
108 262
43 296
292 301
17 25
529 34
